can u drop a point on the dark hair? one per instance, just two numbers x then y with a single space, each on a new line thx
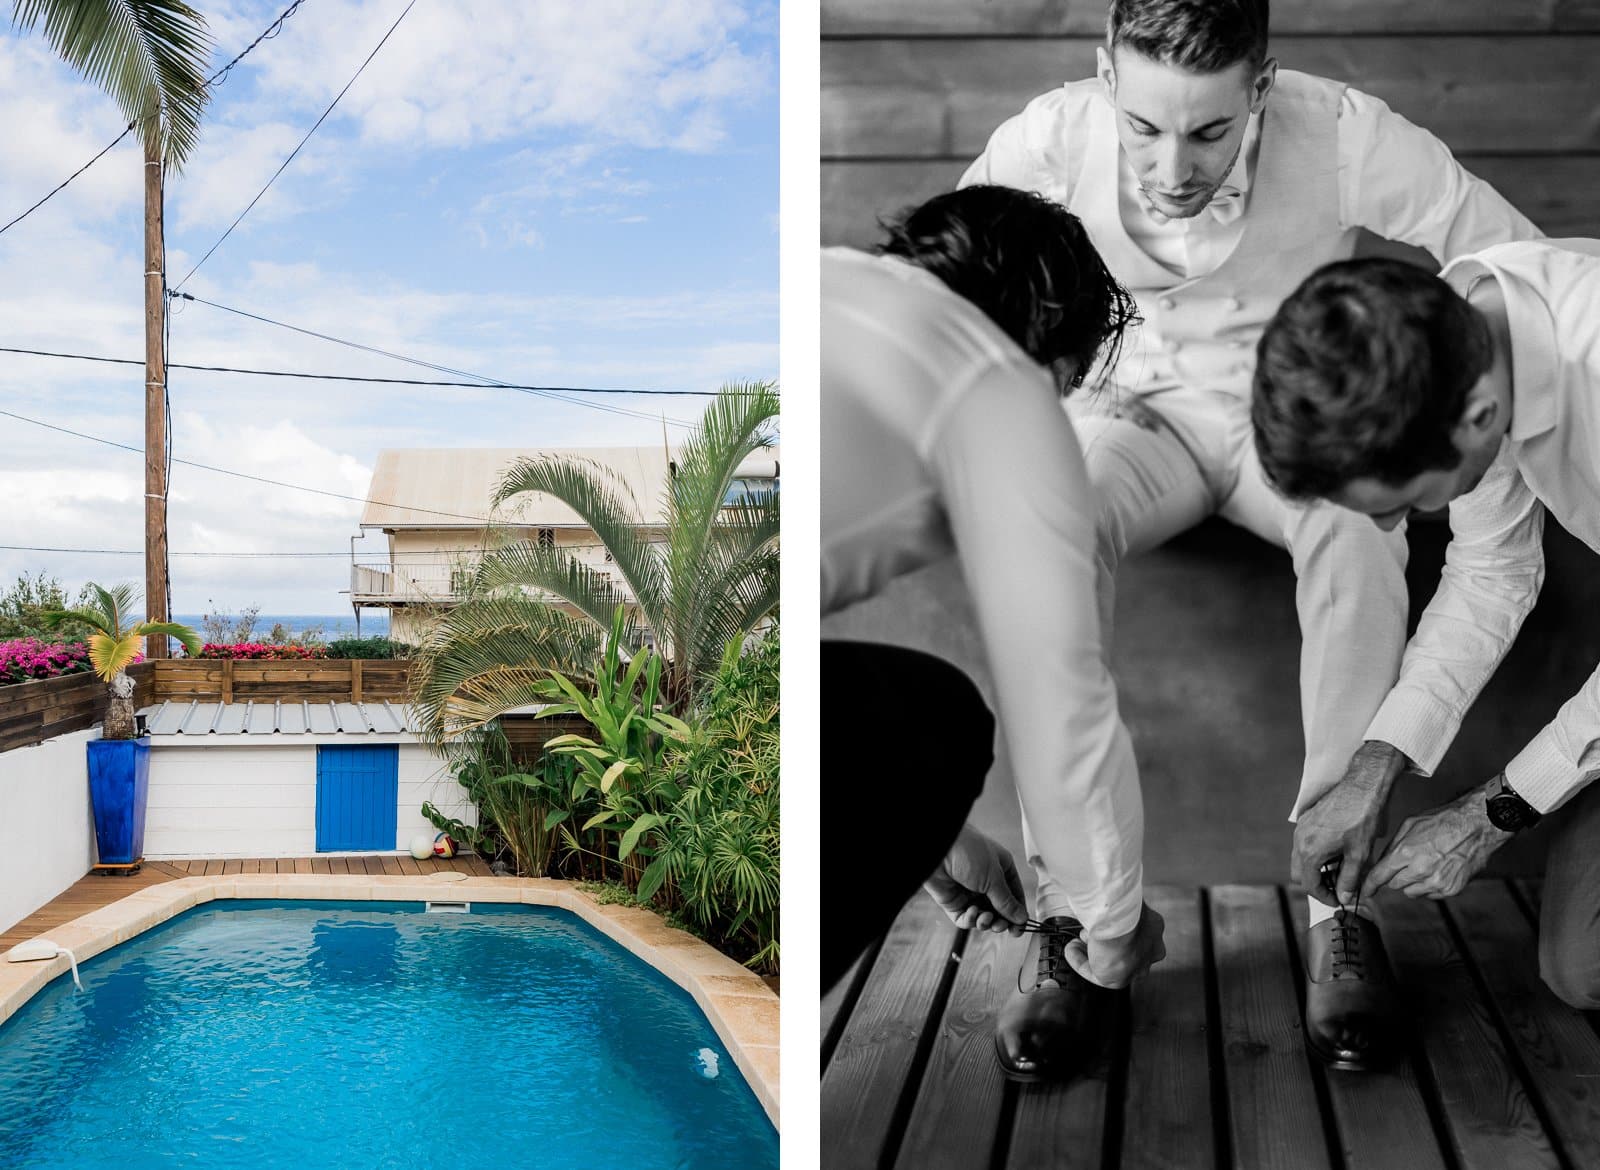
1363 373
1026 262
1202 36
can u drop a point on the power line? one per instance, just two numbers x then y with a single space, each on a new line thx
83 357
298 556
271 31
267 34
128 130
245 475
400 357
297 149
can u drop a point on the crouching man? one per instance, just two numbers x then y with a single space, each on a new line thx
1386 389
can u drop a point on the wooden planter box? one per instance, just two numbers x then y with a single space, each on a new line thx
333 680
33 712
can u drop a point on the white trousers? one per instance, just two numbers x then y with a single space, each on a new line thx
1162 463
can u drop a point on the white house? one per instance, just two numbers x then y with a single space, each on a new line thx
434 507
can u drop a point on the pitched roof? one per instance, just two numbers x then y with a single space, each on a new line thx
410 487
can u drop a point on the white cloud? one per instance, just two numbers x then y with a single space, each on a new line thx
657 74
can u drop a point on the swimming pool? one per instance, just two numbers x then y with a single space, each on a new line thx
266 1033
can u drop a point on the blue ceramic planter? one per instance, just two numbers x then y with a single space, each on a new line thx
119 784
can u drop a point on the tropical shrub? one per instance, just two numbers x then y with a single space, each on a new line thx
261 650
618 783
709 578
717 844
23 659
511 805
367 648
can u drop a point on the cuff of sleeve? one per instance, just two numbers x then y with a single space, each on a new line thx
1542 775
1417 724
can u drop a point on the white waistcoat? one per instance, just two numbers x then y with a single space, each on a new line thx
1209 324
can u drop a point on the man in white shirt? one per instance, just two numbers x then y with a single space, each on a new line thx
1212 183
943 361
1384 389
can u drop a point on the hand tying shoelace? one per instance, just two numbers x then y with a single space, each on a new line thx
1053 969
1346 934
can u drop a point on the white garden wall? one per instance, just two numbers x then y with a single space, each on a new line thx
235 796
44 792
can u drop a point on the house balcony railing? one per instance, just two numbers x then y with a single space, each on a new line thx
431 581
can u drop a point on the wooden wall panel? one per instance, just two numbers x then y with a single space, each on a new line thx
1557 192
1033 18
943 98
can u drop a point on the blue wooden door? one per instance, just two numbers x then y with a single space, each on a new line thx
358 789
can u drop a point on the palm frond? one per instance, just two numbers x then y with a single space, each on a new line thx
527 565
491 650
186 637
111 656
599 496
93 618
149 55
735 425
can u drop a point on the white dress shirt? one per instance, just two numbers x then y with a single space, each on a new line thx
940 436
1550 459
1395 179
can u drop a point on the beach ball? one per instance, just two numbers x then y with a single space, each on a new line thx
443 845
422 846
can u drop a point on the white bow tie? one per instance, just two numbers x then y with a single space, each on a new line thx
1226 206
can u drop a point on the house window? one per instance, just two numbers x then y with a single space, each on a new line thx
547 538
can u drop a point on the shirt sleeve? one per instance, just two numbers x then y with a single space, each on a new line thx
1025 152
1021 513
1493 569
1400 182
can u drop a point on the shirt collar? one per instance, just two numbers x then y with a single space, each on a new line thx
1533 345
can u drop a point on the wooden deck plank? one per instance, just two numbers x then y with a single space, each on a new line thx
1033 18
1487 1115
1063 1124
1382 1116
232 865
957 1114
838 1001
391 865
338 865
874 1057
320 865
409 865
1274 1116
1558 1049
213 867
301 865
1167 1105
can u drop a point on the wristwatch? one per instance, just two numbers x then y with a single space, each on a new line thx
1508 811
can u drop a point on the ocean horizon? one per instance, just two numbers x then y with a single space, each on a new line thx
374 624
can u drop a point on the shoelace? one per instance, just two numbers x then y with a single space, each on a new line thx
1346 928
1052 965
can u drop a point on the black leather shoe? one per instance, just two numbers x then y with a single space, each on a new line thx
1352 1005
1052 1031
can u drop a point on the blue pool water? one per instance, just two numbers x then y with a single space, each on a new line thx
281 1034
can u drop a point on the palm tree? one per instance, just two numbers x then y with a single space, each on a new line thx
711 580
112 648
149 55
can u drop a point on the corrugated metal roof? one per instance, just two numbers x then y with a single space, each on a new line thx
290 717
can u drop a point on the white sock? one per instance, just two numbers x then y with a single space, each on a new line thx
1321 911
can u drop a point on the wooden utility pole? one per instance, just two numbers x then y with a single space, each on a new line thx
155 401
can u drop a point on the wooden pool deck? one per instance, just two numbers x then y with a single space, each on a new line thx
1208 1069
93 890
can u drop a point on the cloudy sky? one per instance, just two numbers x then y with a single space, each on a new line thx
546 192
